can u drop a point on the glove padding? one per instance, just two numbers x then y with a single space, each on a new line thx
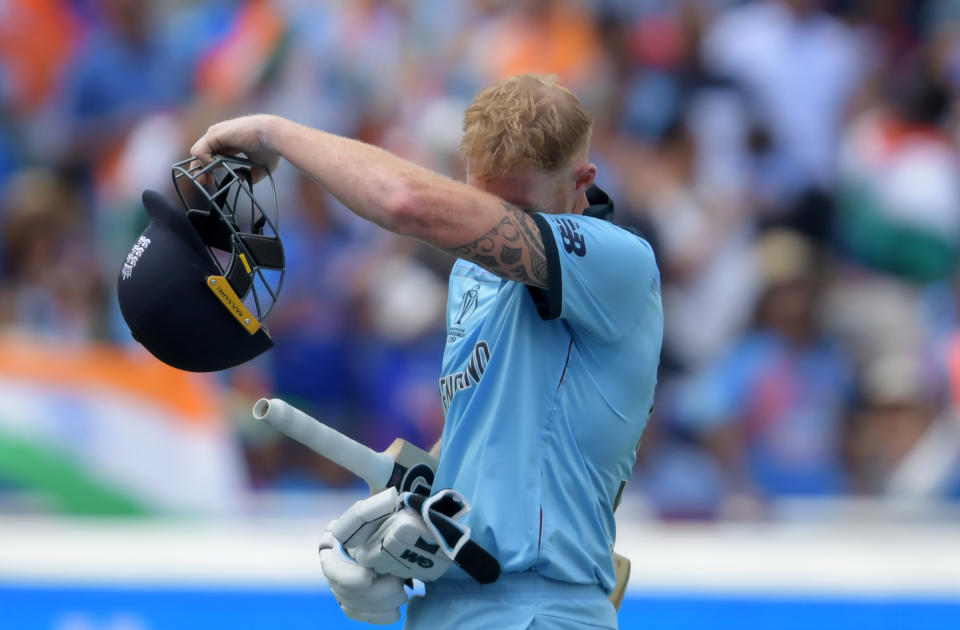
361 521
405 547
417 537
362 594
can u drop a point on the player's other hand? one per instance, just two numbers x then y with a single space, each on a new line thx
411 536
363 595
385 535
390 533
249 135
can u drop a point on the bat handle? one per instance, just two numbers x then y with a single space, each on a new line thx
373 467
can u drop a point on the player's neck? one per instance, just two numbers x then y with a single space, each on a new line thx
582 204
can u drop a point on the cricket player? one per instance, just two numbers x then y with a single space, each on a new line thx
554 327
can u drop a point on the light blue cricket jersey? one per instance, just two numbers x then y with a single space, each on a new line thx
546 394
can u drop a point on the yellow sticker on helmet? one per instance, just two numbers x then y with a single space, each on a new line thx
225 293
246 265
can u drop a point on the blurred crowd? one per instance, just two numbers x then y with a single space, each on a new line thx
794 163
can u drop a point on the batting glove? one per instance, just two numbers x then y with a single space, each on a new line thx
363 595
419 539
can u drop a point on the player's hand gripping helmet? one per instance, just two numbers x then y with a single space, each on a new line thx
198 283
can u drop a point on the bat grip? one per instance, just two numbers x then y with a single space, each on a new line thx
373 467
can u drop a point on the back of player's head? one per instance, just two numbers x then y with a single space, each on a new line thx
526 120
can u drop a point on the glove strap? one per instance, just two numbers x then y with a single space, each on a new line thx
454 538
445 506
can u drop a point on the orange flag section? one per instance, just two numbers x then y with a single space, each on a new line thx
190 397
558 38
36 39
228 71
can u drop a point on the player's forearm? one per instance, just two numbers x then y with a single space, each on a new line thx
381 187
408 199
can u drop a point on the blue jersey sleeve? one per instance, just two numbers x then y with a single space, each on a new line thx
600 274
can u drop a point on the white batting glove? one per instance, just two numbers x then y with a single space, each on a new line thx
363 595
405 547
386 536
411 536
419 540
361 521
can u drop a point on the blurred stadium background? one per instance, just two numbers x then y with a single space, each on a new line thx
793 162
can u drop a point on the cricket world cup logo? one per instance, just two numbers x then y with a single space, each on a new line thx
468 304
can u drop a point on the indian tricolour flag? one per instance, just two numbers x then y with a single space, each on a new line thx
102 430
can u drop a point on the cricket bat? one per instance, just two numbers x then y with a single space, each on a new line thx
622 566
402 465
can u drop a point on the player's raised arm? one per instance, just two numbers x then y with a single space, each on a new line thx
394 193
525 144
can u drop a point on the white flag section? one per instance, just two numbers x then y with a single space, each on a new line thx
101 430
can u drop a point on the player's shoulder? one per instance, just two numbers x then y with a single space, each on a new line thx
598 224
578 233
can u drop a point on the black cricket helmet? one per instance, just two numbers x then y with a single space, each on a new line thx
198 283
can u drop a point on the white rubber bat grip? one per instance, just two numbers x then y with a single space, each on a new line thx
373 467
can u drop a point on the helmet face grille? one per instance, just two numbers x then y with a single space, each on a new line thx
239 232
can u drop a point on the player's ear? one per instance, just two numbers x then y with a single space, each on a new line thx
584 177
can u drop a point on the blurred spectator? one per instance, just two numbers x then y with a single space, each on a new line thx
939 316
680 155
313 323
313 362
542 36
703 252
773 408
124 69
802 68
904 442
49 280
676 472
9 154
36 39
400 342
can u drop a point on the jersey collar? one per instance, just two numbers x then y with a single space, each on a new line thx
601 206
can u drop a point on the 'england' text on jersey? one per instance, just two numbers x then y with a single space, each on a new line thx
453 383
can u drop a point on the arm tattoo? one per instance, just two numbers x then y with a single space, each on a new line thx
512 249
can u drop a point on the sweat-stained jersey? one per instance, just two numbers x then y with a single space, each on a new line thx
546 393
